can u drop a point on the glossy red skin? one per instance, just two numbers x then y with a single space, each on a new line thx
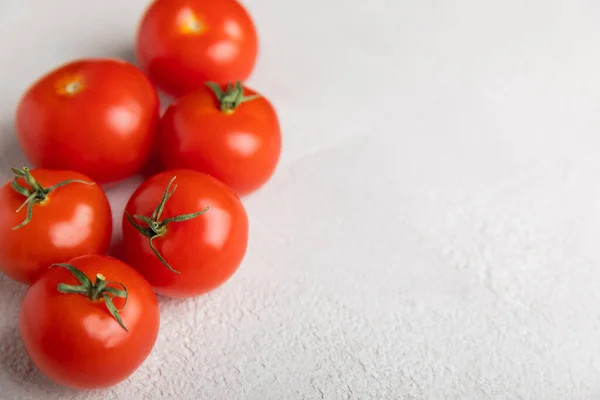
179 61
206 250
241 149
106 130
73 221
75 341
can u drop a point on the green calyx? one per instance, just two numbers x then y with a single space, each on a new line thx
95 291
36 193
232 97
155 227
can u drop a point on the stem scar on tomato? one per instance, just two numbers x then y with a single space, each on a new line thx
95 291
156 228
232 97
36 193
190 23
69 85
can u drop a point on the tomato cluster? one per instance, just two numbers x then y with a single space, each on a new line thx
89 320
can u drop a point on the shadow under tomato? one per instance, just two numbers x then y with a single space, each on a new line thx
117 250
125 52
11 295
11 154
165 301
153 166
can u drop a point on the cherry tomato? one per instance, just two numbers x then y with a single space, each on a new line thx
61 215
185 231
89 323
233 135
94 116
183 43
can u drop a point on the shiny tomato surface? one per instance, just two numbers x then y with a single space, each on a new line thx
75 340
239 145
94 116
73 220
202 252
183 43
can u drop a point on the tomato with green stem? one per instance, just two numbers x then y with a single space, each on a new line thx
47 217
94 116
185 231
90 322
231 134
183 43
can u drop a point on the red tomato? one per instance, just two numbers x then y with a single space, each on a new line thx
89 323
187 238
183 43
95 116
69 217
210 130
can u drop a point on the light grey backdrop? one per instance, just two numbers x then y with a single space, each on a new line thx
432 231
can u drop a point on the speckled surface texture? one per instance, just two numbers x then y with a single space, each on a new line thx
432 231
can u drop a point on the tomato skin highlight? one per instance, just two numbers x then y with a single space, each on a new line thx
240 148
95 116
74 220
206 250
183 43
75 341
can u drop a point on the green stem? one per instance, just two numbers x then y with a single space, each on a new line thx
99 286
230 98
95 291
155 228
35 193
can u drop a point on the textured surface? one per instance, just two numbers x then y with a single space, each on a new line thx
432 231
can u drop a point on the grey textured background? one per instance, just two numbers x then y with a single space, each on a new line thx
432 231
